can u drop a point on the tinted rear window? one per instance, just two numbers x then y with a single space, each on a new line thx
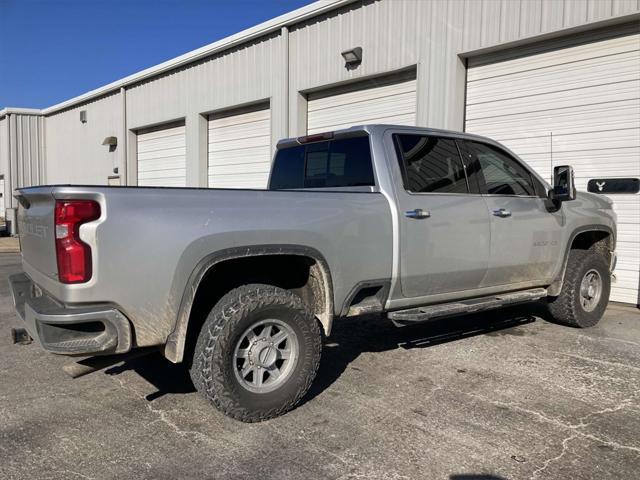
335 163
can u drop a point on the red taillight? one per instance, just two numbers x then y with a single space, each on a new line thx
74 256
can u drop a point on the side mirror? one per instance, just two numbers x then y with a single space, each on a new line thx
564 188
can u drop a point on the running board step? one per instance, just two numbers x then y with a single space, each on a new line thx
422 314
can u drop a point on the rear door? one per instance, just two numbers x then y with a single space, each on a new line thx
444 223
525 229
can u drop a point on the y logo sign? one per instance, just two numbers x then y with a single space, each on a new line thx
600 185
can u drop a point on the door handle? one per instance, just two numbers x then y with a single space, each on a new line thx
417 213
502 212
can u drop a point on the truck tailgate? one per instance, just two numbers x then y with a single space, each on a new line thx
36 229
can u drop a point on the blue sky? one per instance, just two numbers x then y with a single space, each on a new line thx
52 50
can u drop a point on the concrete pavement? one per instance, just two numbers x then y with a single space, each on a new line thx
499 395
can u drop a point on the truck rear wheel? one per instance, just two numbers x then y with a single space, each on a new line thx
585 290
257 353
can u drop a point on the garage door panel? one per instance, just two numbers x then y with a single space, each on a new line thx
231 169
173 153
618 162
232 157
161 157
578 106
248 118
407 120
578 53
164 173
621 138
555 100
382 109
378 108
393 103
243 130
240 143
367 95
611 115
163 182
246 180
239 149
146 144
588 73
158 165
160 133
528 146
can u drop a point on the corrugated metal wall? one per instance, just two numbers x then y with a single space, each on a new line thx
430 34
22 155
284 66
4 161
249 74
75 153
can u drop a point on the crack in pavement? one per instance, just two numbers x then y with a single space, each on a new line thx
77 474
575 428
162 415
595 360
549 461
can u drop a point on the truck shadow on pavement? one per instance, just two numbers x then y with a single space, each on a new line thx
350 338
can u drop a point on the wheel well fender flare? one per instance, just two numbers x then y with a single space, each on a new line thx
555 288
175 344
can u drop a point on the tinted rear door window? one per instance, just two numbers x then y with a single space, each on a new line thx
431 164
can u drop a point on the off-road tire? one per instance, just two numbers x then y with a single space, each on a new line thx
566 308
212 369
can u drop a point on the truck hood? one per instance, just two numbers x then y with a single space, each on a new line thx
601 202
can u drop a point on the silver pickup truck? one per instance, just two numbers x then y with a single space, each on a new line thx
412 223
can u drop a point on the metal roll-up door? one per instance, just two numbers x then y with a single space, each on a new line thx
576 105
240 149
392 101
161 153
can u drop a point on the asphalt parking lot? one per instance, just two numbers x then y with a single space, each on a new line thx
504 395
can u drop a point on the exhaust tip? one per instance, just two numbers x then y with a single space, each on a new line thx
20 336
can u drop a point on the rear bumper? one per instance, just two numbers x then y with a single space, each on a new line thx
98 329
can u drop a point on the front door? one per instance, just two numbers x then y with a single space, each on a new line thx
444 224
525 231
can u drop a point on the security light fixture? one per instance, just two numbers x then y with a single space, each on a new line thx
112 142
83 116
353 56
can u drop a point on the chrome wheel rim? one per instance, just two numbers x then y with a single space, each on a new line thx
265 355
590 290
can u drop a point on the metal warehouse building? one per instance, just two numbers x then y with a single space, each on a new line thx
557 81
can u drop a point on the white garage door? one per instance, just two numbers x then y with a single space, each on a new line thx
162 157
393 103
240 149
578 105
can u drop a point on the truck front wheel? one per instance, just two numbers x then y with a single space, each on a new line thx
585 290
257 353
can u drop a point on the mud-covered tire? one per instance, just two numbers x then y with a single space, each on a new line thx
214 365
567 308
